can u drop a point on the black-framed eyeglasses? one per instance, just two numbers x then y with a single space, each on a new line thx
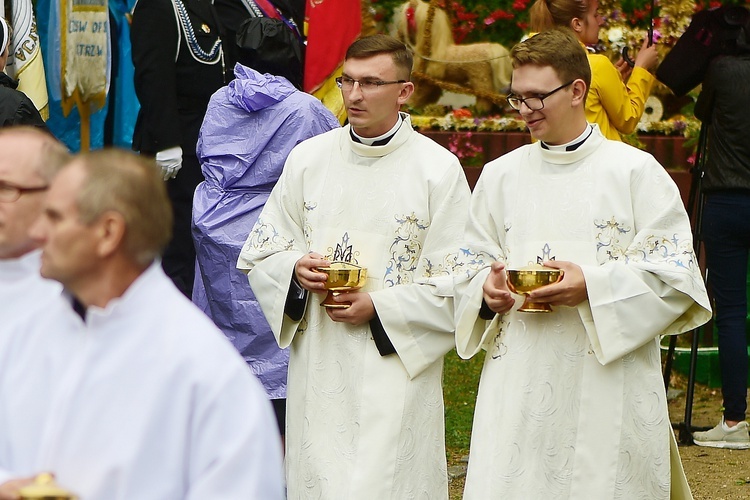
365 85
534 103
11 192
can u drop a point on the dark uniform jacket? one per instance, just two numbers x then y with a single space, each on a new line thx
178 63
15 107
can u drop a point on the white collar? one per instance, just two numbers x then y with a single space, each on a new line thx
21 267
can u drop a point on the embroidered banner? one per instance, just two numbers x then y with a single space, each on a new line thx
85 53
25 56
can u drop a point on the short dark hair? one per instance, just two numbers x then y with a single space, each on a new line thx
558 48
374 45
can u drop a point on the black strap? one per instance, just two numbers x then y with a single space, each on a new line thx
382 342
296 299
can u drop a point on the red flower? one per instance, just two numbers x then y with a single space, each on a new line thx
462 113
501 14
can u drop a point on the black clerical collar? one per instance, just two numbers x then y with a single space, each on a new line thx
576 143
379 141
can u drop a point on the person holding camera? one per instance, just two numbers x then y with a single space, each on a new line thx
613 104
723 105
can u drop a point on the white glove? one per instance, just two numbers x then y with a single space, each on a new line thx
170 161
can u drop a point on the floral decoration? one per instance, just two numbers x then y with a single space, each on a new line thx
501 21
468 152
677 125
507 21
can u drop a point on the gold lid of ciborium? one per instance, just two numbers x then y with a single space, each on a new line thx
44 487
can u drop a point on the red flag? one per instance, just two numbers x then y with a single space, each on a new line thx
332 25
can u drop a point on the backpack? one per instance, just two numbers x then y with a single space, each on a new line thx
269 46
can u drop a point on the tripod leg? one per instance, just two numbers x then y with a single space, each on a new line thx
695 207
686 436
669 360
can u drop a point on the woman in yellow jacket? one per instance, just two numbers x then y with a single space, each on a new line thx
611 103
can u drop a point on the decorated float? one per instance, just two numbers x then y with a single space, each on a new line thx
461 73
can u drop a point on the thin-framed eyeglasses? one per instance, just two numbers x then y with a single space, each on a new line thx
534 103
365 85
10 192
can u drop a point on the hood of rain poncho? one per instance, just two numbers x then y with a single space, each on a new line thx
250 127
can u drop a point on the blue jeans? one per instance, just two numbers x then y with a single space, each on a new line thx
726 236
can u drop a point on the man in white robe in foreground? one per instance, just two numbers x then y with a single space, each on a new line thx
364 399
30 158
571 404
122 388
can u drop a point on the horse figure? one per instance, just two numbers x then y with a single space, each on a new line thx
480 69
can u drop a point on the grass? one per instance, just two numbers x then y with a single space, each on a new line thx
460 382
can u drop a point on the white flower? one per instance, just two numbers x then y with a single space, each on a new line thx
615 35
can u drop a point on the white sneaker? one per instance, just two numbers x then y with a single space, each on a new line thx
721 436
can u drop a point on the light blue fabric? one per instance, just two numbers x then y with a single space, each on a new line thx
125 104
250 127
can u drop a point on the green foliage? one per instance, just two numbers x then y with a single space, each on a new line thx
460 383
383 10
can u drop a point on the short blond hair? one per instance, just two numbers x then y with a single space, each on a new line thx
130 185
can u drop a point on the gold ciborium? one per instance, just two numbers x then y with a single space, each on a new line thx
526 279
45 488
342 277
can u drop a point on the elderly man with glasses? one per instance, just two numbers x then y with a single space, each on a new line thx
122 388
29 161
364 396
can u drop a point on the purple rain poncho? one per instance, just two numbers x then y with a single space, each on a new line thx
250 127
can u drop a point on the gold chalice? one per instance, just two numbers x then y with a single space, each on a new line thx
45 488
526 279
342 276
